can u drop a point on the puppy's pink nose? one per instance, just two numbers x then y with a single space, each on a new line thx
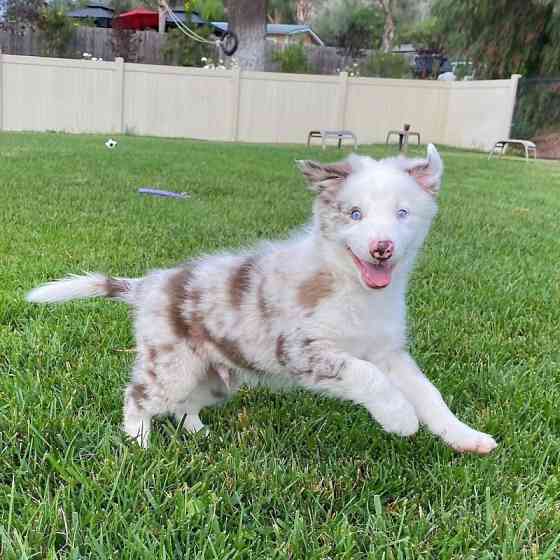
381 250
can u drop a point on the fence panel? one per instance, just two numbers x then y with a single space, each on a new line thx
285 107
177 102
480 112
85 96
57 94
375 105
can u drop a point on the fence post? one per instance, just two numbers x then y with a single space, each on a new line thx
118 95
1 92
341 100
235 97
513 92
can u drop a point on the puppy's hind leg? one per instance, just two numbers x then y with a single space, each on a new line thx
144 398
137 418
164 377
212 387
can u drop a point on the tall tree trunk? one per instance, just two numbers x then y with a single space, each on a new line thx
304 11
247 19
387 7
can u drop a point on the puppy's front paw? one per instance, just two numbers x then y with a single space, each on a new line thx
398 418
464 439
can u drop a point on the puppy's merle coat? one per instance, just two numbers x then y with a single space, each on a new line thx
323 310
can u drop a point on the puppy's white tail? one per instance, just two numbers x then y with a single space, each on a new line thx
87 286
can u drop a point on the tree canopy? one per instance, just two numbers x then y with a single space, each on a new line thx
503 37
23 11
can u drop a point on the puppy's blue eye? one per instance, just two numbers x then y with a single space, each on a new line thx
402 213
356 214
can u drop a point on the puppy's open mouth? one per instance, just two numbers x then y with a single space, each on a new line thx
375 275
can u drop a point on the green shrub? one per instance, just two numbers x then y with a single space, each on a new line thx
537 108
386 65
292 59
184 51
57 30
350 25
463 69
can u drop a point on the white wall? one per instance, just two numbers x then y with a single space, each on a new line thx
83 96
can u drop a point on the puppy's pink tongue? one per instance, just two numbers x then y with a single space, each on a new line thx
376 275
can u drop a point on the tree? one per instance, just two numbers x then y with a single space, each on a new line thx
305 10
210 10
351 25
57 30
425 34
364 26
184 51
120 6
24 11
388 8
503 37
281 11
247 19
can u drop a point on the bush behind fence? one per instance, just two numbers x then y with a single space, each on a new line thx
150 47
537 114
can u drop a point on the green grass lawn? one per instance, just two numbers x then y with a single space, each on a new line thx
291 476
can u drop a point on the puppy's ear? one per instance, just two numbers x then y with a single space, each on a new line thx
426 172
324 176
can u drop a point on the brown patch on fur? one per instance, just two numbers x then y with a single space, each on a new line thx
240 282
231 350
261 302
322 176
329 370
198 332
315 359
177 288
281 355
183 298
314 289
195 297
116 288
323 368
138 394
152 355
331 215
306 342
267 309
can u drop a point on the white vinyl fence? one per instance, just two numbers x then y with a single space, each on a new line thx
113 97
